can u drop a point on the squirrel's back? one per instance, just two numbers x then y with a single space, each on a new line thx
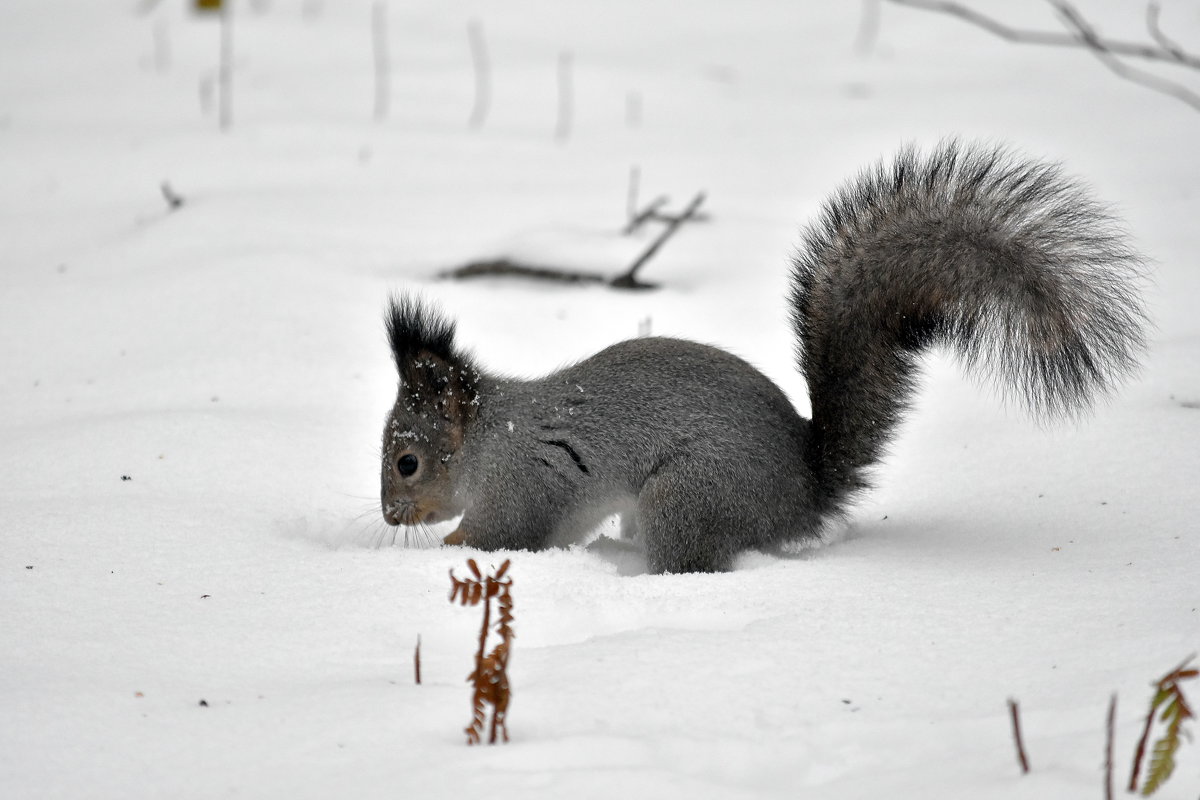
606 425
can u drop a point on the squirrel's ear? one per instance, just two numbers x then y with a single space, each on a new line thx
414 327
442 393
435 377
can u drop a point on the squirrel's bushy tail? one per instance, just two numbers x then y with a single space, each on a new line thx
1009 263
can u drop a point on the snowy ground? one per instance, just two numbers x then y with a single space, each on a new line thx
228 358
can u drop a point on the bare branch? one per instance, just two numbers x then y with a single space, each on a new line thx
629 279
1025 36
1084 35
645 215
1153 11
1087 35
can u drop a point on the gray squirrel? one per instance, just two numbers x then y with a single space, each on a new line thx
1006 261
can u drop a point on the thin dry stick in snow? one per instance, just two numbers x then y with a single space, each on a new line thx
1016 726
417 661
1110 723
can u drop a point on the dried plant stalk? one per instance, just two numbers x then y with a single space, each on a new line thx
1109 725
417 661
1169 699
1016 726
490 676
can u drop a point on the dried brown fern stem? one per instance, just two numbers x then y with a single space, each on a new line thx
1169 700
490 676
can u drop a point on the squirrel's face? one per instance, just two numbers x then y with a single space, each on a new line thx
424 431
417 479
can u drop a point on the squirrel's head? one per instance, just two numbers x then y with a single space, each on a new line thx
436 401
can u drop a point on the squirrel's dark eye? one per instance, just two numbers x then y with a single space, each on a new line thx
407 464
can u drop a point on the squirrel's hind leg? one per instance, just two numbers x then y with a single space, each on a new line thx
688 523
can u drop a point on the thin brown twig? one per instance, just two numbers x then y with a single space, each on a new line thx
417 661
1108 747
1140 752
1016 726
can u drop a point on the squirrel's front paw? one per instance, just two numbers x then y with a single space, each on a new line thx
455 537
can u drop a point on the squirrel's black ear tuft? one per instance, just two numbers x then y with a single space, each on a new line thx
436 378
414 328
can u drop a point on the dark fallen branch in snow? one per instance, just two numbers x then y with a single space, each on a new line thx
648 213
651 212
503 267
629 279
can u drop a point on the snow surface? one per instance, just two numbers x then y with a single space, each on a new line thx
228 358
